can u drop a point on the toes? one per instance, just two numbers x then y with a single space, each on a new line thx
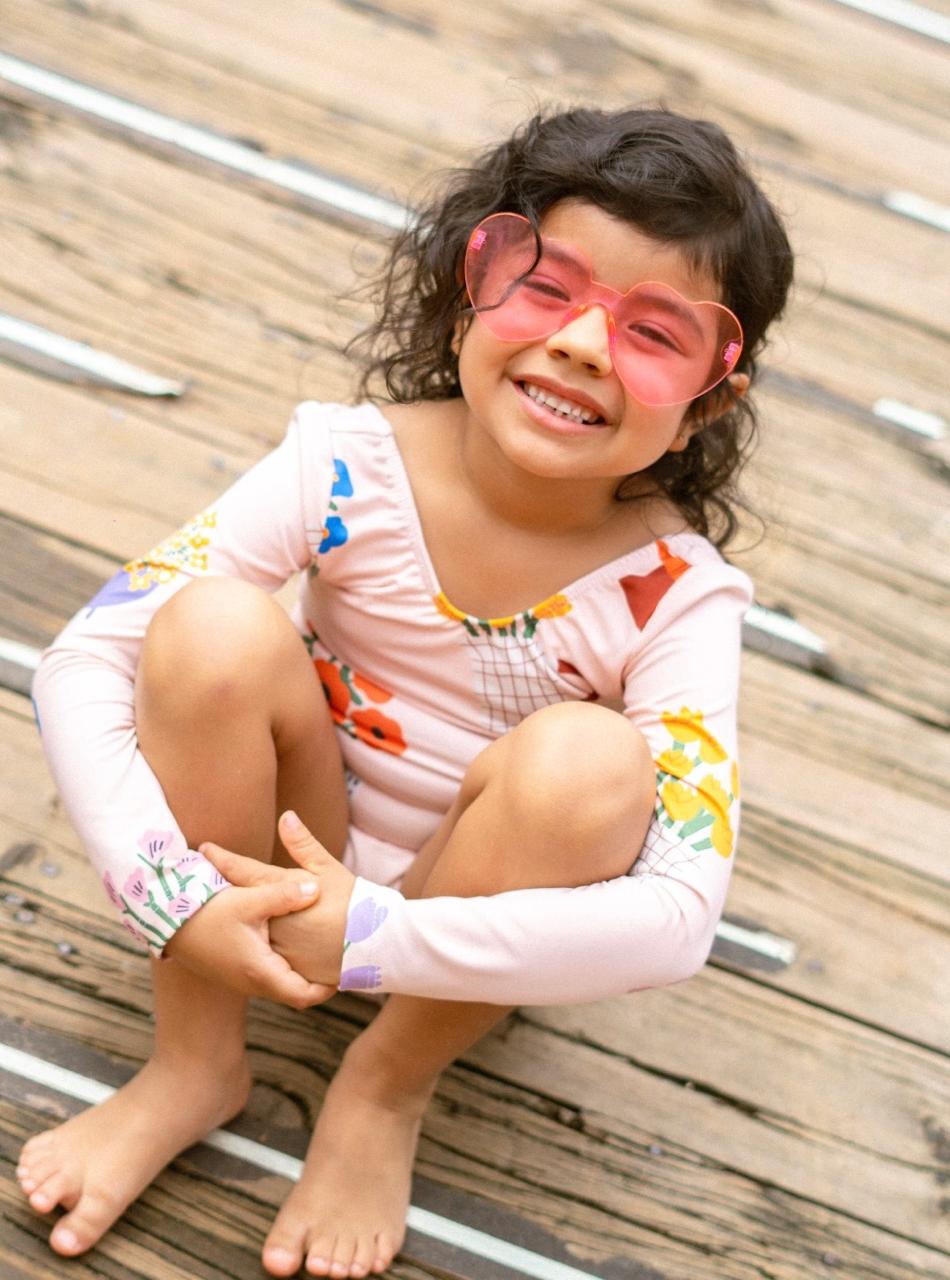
362 1259
385 1250
343 1253
80 1229
320 1256
58 1188
283 1250
34 1168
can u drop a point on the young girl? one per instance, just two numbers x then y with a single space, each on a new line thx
500 728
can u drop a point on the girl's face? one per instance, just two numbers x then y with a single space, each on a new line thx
505 384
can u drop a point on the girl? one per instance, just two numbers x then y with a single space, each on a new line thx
509 729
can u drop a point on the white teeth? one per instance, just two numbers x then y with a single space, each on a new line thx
563 407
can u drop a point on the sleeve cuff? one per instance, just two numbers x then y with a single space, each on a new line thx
168 884
371 907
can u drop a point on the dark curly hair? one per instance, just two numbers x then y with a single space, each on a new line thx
679 181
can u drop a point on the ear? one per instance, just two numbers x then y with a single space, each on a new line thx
719 403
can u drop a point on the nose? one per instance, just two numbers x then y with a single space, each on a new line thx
585 340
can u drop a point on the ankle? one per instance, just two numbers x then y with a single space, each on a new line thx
386 1077
227 1068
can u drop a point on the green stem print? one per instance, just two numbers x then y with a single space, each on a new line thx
162 915
144 924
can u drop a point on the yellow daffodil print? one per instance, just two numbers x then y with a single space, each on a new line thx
681 802
687 726
519 626
676 763
554 607
185 551
693 802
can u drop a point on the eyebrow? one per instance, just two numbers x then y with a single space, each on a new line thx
551 249
687 314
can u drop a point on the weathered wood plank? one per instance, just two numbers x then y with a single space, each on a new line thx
774 1079
200 1220
784 59
612 1178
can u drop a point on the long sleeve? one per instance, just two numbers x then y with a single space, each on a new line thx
652 927
263 529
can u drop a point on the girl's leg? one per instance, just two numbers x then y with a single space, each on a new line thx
234 724
576 784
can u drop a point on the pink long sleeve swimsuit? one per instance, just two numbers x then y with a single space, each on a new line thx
417 688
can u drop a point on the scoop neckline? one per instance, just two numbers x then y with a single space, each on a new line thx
570 591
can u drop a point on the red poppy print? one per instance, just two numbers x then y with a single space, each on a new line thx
377 730
645 591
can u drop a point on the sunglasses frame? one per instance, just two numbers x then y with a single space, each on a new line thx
597 294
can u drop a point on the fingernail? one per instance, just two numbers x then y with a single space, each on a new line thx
291 821
307 889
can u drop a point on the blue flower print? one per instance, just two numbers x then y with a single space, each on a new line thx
335 533
342 484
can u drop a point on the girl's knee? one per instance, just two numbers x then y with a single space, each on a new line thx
580 767
214 642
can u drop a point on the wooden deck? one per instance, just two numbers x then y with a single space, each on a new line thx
773 1118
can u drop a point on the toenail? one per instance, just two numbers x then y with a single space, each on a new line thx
66 1240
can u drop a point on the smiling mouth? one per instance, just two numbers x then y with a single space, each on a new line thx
568 409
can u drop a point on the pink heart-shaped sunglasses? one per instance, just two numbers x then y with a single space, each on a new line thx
666 349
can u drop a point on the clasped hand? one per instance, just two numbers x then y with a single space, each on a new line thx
278 932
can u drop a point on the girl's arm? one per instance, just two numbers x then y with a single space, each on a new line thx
84 689
649 928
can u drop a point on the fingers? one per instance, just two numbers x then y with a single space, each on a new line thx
278 981
278 898
305 849
244 872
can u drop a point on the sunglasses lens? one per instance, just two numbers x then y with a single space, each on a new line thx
516 295
666 349
670 350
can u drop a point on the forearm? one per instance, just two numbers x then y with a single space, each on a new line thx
535 946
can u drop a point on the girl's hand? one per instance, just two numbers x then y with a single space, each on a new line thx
311 939
227 941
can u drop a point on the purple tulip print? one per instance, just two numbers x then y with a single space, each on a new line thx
111 890
364 919
118 590
181 906
364 977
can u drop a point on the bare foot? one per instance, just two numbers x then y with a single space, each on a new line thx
98 1162
347 1214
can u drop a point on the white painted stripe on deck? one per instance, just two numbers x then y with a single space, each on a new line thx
433 1225
782 627
79 356
930 425
21 655
201 142
766 944
902 13
912 206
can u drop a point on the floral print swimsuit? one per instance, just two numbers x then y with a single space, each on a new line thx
416 689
